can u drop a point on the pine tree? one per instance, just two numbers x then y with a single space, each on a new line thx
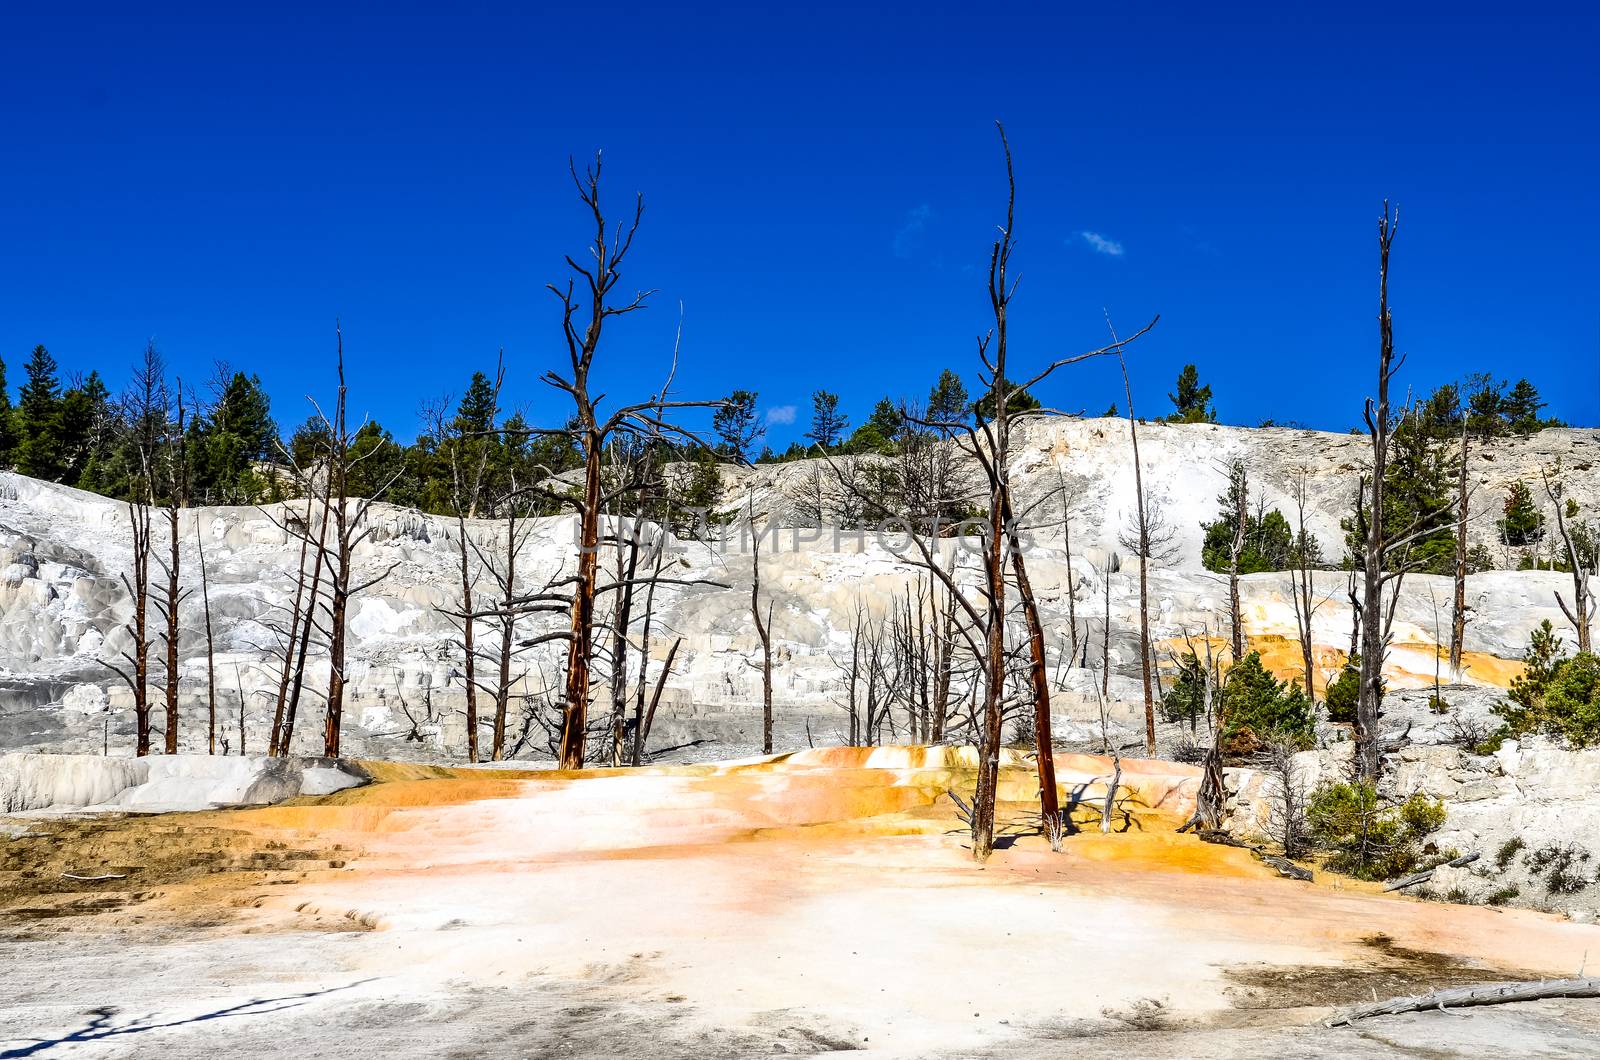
237 434
86 422
947 401
1017 401
881 431
476 411
1257 707
735 423
1523 524
1269 543
1522 407
8 438
1192 401
38 418
827 423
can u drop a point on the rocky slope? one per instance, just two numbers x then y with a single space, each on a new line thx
62 604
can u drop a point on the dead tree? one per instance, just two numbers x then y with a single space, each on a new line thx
351 527
1210 801
144 409
211 652
1377 543
176 488
1240 482
1302 580
1113 565
590 432
1458 605
1581 613
1143 551
1039 676
308 597
468 448
502 569
987 439
639 716
763 631
1072 580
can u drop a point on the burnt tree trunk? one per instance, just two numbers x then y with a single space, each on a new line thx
580 648
1235 549
1144 565
170 637
469 660
211 654
1373 639
294 629
508 627
1458 607
301 652
764 632
1049 806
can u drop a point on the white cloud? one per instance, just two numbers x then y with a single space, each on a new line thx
909 237
1101 245
783 414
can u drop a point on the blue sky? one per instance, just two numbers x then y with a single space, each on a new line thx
821 182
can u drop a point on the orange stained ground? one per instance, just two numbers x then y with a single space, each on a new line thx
836 880
1409 665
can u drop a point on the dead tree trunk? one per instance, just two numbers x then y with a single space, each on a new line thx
655 698
764 632
508 632
1235 550
1113 564
1374 644
644 648
1302 582
1072 580
307 622
176 498
145 408
350 528
211 653
580 652
1049 806
295 616
1581 613
1458 607
137 676
1144 562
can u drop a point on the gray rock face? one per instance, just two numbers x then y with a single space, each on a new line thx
63 607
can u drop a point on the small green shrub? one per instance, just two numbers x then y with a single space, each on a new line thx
1561 864
1258 708
1367 837
1554 694
1503 895
1186 696
1343 693
1508 851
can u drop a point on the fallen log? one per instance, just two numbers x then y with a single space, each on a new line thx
1469 996
1284 867
1427 874
94 879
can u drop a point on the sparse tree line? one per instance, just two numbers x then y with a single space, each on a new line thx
961 655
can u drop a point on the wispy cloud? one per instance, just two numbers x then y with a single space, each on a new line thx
909 236
780 416
1101 245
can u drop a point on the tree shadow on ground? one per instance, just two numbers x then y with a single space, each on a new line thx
100 1026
